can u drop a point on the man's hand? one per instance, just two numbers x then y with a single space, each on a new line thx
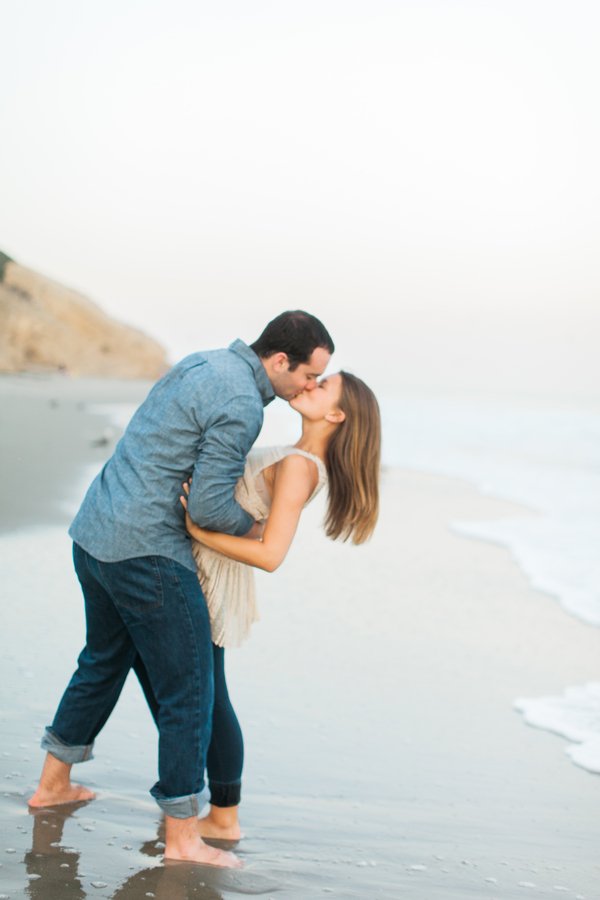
256 532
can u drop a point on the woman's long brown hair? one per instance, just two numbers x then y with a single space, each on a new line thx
353 461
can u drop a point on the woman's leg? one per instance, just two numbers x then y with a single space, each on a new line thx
225 761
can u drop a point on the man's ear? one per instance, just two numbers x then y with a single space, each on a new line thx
336 417
280 362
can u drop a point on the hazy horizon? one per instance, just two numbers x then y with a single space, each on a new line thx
422 176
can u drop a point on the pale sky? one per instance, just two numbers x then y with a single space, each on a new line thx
422 175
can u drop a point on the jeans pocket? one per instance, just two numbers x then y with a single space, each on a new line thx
136 584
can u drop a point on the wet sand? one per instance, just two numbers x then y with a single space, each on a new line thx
384 758
49 438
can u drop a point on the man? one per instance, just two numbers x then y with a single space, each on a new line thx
133 559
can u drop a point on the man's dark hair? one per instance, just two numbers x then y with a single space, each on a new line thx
295 333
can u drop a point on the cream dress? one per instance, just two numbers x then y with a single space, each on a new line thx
228 585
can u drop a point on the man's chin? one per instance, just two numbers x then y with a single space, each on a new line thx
287 396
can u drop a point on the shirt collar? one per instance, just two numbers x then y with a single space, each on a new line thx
262 380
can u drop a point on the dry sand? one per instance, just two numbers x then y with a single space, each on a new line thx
384 758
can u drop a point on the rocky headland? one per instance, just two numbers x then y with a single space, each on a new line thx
46 327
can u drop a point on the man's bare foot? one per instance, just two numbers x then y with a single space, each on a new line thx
56 788
222 824
184 844
73 793
204 855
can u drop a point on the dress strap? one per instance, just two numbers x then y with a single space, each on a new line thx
321 468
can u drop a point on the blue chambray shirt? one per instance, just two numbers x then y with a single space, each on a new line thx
199 420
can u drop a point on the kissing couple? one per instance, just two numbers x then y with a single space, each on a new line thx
165 543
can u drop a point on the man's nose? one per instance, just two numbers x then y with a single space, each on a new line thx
310 385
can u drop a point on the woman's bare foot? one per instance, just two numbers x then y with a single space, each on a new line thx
221 823
183 843
56 788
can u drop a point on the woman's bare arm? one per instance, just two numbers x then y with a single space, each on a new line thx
295 480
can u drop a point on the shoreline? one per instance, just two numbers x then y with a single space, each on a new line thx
376 699
51 437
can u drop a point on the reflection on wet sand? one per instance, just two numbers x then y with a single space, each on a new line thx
182 881
173 881
53 870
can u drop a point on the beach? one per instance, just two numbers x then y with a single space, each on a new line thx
384 755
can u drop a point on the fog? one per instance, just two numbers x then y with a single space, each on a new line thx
422 175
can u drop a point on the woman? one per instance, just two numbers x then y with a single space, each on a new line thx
340 446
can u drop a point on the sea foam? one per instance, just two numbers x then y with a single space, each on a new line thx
575 715
548 461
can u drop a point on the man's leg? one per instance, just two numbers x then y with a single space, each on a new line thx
152 606
163 607
91 694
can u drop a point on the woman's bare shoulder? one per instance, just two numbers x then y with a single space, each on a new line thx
296 471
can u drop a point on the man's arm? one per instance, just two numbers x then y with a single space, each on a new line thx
221 461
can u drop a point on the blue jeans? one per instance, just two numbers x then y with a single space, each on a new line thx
225 758
154 607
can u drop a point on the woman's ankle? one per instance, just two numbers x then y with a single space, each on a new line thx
221 822
224 816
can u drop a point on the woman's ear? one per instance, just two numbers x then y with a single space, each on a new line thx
336 417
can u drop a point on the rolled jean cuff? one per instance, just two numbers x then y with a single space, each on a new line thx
224 795
67 753
179 807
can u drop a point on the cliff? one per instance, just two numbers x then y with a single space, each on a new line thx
46 327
